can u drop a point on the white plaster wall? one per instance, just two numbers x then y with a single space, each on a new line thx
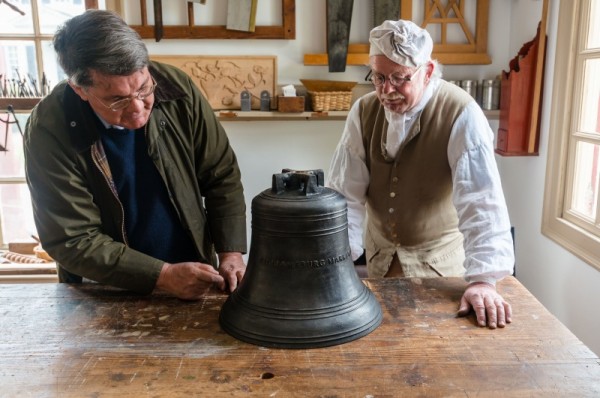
567 286
265 148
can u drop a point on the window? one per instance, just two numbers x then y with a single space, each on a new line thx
571 214
27 69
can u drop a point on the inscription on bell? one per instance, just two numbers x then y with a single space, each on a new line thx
296 263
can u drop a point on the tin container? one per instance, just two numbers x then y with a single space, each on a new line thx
470 86
490 97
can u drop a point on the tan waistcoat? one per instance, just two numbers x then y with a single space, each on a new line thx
409 199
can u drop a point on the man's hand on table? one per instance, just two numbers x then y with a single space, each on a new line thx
188 280
489 306
232 269
192 280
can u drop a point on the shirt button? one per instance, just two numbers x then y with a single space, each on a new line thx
391 210
392 194
395 179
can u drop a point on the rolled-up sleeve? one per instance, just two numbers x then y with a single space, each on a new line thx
348 174
479 199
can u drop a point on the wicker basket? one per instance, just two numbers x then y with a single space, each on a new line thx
330 100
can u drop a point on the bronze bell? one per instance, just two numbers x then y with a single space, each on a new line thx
301 289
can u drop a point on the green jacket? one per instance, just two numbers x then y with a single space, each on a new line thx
77 212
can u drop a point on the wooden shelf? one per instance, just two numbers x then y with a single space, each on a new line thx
23 105
238 116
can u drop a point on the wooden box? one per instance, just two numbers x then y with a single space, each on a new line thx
290 104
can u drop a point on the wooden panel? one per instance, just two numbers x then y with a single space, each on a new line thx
93 341
222 78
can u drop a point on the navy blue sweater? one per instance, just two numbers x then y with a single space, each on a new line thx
151 222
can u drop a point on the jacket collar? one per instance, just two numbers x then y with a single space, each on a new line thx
165 89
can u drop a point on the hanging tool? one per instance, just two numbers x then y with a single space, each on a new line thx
45 85
190 10
384 10
10 109
33 84
241 15
339 17
158 21
14 7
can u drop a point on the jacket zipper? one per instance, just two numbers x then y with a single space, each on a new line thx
110 185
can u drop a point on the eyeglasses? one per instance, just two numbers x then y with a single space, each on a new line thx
121 104
395 79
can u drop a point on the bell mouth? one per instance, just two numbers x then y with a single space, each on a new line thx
301 328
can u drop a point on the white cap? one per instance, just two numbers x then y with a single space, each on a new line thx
403 42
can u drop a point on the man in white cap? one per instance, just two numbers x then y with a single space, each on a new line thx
416 160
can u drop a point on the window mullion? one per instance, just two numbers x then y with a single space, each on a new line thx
35 13
570 174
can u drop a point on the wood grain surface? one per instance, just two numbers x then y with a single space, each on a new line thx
223 78
58 340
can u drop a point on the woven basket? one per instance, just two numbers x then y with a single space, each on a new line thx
330 100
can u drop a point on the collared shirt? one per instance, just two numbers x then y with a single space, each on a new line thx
477 190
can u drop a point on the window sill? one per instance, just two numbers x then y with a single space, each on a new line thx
28 273
19 104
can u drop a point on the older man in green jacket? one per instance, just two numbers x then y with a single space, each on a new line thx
132 178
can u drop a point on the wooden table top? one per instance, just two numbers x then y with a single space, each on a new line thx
94 341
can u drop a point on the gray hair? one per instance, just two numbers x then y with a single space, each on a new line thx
98 40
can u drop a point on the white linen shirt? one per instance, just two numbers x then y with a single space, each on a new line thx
477 190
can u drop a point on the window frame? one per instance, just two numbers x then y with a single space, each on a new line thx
37 38
562 226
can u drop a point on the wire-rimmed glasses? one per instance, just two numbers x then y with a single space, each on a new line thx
395 79
121 104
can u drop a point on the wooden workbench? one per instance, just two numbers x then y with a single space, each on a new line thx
58 340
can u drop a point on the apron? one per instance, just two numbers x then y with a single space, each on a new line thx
441 257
